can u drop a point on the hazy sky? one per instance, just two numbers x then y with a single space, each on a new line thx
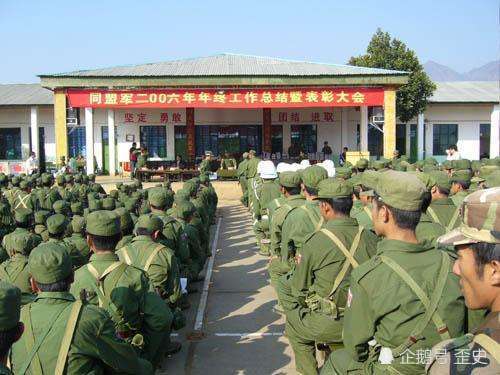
51 36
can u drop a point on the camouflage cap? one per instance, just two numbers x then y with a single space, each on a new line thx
23 215
289 179
461 175
56 224
60 207
313 175
335 188
400 190
108 204
103 223
151 223
10 306
41 216
184 209
157 197
480 213
77 208
440 179
343 172
49 263
461 164
78 224
493 180
362 164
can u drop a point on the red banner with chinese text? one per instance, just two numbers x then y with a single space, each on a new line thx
231 98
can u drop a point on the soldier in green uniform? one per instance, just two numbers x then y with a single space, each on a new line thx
251 177
140 315
24 198
478 266
11 329
268 190
442 210
23 218
64 335
126 227
56 227
460 183
77 238
40 224
228 162
242 178
362 203
205 164
314 297
405 298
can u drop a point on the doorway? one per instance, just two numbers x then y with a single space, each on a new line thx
105 149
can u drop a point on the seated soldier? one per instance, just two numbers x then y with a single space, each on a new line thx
77 238
56 226
11 329
64 335
477 243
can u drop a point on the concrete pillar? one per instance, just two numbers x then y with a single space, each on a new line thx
495 132
343 129
61 132
170 142
429 139
389 122
266 130
190 134
89 139
287 137
34 130
363 129
420 136
408 140
111 142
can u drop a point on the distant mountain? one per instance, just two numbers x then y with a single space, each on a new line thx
439 72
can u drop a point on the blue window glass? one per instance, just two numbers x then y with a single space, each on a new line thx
444 135
76 141
10 144
154 138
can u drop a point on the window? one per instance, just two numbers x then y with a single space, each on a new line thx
276 139
180 141
231 139
10 144
444 135
304 138
401 138
76 141
154 139
484 140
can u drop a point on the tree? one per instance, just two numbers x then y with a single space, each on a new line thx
387 53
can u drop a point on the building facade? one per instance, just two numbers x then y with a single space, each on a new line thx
177 108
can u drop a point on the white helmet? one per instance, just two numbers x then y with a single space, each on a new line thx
329 166
267 169
284 167
305 163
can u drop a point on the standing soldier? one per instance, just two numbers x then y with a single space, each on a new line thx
140 316
477 243
205 164
251 177
314 299
406 297
11 329
242 170
442 209
64 335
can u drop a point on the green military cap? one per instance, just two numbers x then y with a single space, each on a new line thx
157 197
461 175
486 170
399 167
289 179
5 214
380 164
151 223
411 168
475 165
429 168
440 179
204 178
60 207
49 263
126 222
77 208
490 161
369 179
181 195
493 179
426 179
46 179
362 163
56 224
130 204
419 164
190 186
430 161
446 165
15 181
335 188
60 179
23 215
355 180
3 178
114 194
68 178
85 179
184 209
78 224
91 177
480 219
95 205
313 175
108 204
10 306
400 190
78 178
103 223
461 164
41 216
24 184
343 172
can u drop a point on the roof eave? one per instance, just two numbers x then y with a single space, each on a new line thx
57 82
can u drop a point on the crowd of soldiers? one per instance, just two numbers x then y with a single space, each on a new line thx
94 282
384 267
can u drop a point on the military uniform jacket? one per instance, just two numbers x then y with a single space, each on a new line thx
444 212
251 170
269 190
383 306
475 354
24 200
362 214
80 243
278 218
459 197
15 271
93 349
428 230
127 290
322 261
157 261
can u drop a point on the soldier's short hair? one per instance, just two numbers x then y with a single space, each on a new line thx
58 286
106 243
403 219
342 205
485 253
